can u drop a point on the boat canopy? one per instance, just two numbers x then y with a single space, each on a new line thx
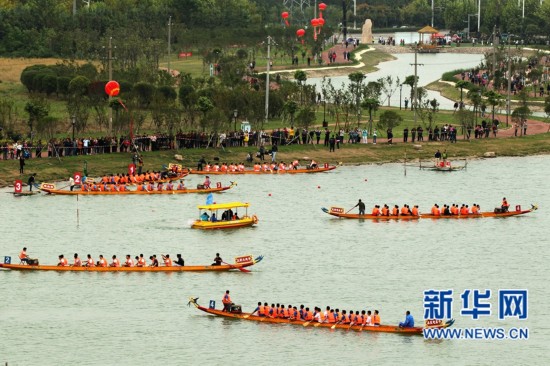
223 206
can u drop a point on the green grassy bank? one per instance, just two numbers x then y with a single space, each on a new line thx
49 169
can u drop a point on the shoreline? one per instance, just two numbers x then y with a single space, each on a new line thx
52 169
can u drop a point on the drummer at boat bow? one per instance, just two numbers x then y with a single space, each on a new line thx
505 205
227 301
23 257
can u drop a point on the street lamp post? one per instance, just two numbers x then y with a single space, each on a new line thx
73 121
400 91
235 114
325 124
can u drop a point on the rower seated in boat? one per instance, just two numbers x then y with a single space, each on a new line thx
295 164
385 210
409 321
414 210
181 186
129 262
376 210
206 183
312 165
154 261
169 186
102 262
77 262
160 187
217 260
89 261
115 262
179 260
141 261
62 261
167 260
259 311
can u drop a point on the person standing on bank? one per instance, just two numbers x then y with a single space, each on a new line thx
274 150
21 164
71 183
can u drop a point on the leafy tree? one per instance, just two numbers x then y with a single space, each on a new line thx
389 119
38 109
144 93
300 76
204 105
290 109
466 120
494 99
371 104
305 117
411 81
462 84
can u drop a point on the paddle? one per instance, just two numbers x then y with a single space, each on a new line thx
239 268
307 323
335 324
351 209
351 325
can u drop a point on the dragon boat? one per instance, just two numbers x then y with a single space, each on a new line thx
236 313
50 188
339 212
240 264
321 169
224 222
443 166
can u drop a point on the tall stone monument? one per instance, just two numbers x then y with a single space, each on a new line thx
366 35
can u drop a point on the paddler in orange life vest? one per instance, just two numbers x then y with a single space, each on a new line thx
77 261
167 260
227 302
141 261
376 319
89 261
62 261
505 205
115 262
102 262
129 262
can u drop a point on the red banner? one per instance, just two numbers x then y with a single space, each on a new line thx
185 54
244 259
18 186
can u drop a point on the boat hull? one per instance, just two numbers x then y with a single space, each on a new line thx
233 224
378 329
206 268
153 192
369 217
292 171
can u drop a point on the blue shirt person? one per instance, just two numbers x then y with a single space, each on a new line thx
204 217
409 321
213 218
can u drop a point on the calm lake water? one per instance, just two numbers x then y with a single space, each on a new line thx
310 258
433 66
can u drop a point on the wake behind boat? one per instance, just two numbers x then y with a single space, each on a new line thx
236 313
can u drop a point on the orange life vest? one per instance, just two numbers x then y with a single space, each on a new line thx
226 299
375 211
415 211
395 211
330 317
376 319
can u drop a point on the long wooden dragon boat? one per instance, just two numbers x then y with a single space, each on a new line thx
240 263
221 222
444 166
381 328
321 169
339 212
50 188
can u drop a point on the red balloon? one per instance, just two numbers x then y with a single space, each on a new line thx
300 32
112 88
320 22
322 6
284 14
314 22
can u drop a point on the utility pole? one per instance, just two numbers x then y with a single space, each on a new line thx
267 78
479 16
169 33
433 12
415 85
509 84
110 63
355 14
